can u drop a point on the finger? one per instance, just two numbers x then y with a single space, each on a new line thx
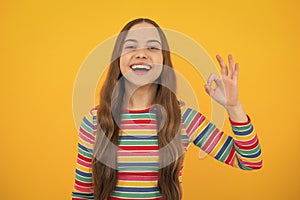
223 66
231 65
236 72
212 77
218 81
209 90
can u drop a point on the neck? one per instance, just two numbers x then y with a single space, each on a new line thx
139 97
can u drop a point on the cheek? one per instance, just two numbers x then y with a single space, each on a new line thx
124 62
160 59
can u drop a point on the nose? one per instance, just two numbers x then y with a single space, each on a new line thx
141 53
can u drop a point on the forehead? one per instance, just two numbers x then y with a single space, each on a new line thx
143 32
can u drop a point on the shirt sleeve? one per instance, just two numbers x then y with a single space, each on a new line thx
83 186
242 151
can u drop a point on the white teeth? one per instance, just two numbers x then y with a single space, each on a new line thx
141 67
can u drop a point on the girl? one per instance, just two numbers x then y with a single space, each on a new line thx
131 146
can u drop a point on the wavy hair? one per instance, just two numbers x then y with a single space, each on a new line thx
105 175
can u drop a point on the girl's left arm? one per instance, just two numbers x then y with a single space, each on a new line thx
243 150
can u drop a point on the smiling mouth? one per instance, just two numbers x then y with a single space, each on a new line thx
140 67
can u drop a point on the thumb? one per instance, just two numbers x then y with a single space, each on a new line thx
209 90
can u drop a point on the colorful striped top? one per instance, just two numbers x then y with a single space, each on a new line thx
137 160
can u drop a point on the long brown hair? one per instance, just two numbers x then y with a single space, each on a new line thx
105 175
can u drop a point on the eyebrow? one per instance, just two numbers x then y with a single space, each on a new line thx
153 41
148 41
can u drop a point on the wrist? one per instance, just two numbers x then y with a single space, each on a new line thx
236 113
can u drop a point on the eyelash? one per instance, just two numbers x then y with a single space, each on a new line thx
150 47
129 47
153 48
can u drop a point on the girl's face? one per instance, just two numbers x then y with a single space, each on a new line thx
141 60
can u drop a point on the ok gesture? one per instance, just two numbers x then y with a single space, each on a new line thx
226 90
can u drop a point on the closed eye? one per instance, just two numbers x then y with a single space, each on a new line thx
129 47
153 48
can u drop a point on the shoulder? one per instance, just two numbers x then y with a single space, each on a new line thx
188 113
181 103
88 127
183 107
93 111
90 118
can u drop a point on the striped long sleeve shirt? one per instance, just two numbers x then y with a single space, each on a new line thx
137 160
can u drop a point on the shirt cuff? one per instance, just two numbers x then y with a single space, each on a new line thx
240 123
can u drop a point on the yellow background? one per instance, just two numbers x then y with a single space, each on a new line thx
43 44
